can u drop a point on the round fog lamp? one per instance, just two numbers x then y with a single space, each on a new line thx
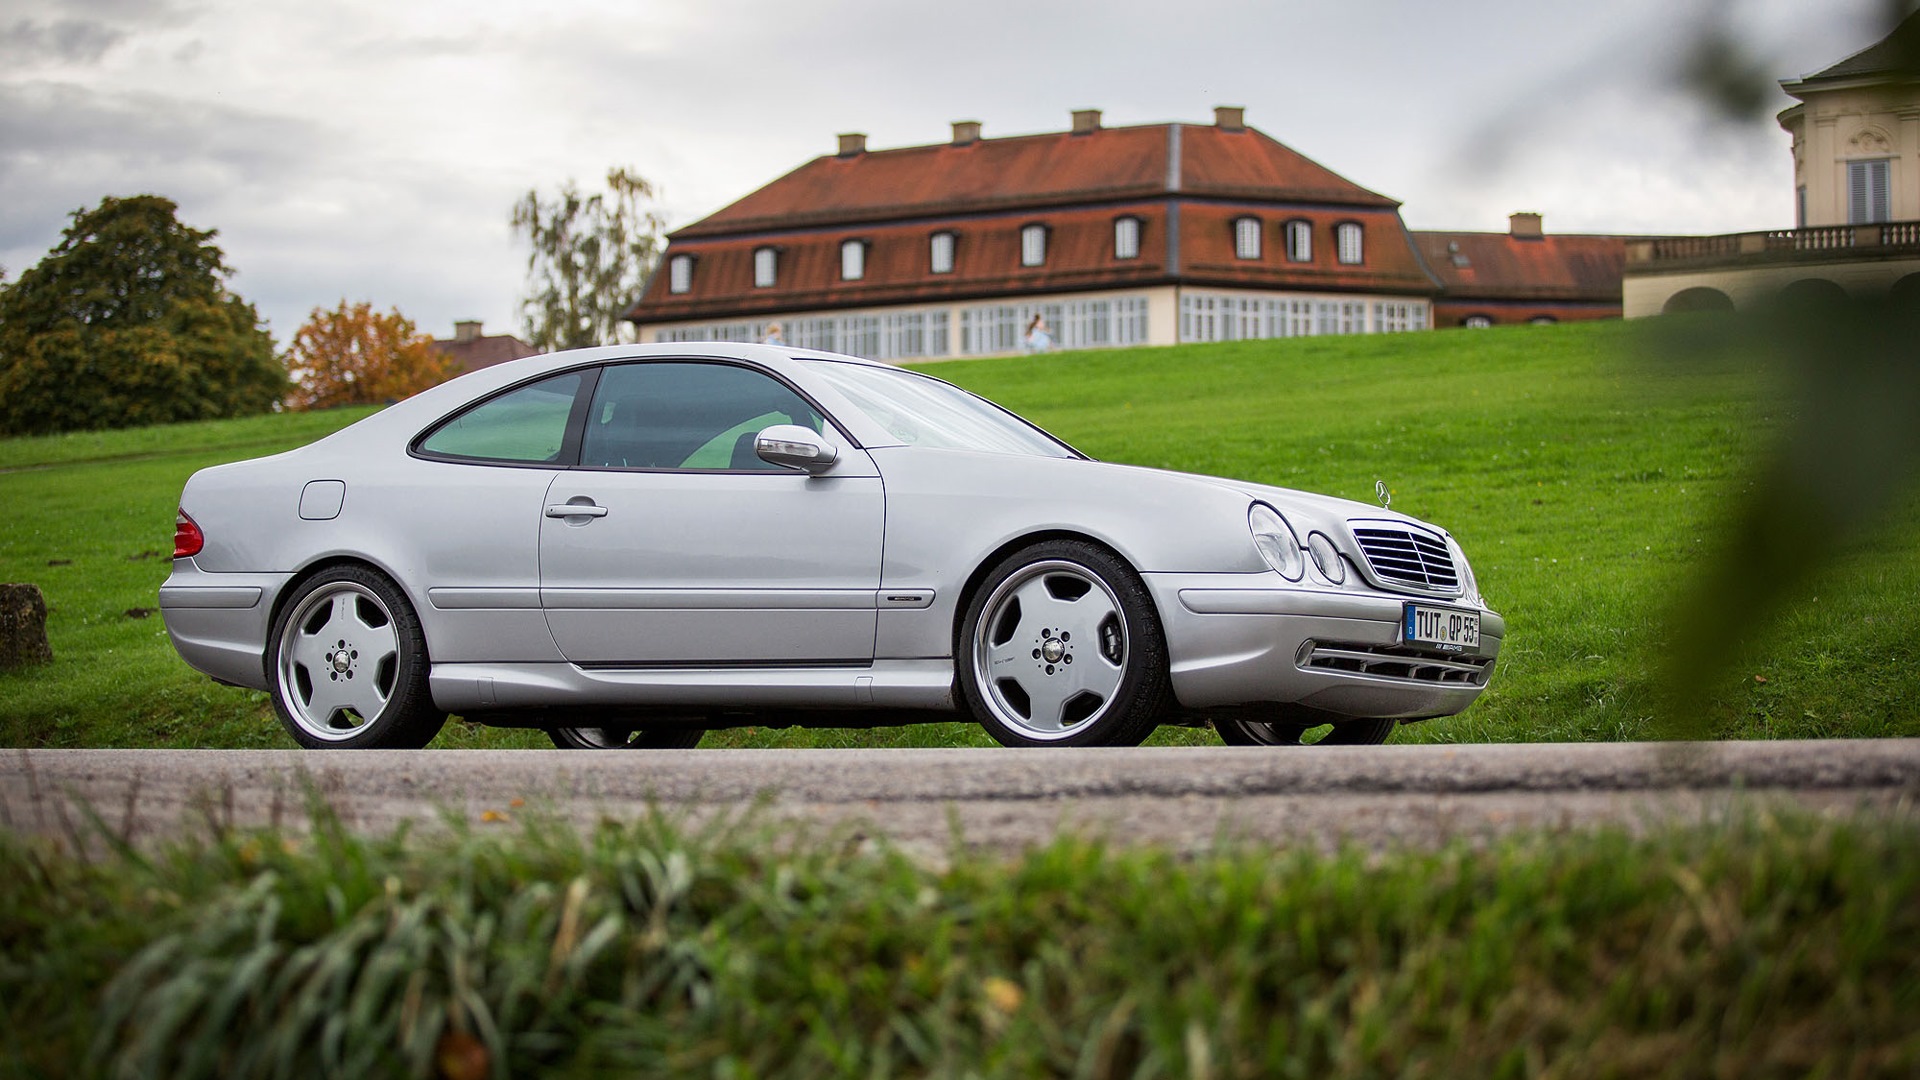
1327 558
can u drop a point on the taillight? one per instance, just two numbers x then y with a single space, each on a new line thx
187 537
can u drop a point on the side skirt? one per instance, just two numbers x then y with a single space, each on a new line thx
472 689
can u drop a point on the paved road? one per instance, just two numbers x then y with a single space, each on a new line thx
999 799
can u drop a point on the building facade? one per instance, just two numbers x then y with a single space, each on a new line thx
1150 234
1855 131
1524 275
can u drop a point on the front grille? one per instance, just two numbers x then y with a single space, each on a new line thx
1403 556
1398 662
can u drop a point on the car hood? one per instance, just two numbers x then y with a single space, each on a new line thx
1301 507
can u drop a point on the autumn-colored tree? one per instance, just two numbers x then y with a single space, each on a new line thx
128 321
590 256
354 355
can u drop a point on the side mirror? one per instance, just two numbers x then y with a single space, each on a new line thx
795 447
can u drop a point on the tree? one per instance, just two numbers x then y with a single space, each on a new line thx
353 356
590 258
128 321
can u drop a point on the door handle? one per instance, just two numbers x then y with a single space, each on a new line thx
567 510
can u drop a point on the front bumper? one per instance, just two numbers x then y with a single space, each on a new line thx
1245 639
219 622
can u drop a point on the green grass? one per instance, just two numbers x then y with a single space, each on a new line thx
1586 485
1586 478
1768 946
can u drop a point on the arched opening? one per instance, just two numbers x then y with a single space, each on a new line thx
1699 298
1477 322
1812 291
1906 293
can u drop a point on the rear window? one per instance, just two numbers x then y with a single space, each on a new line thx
525 426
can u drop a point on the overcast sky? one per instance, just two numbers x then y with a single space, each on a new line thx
372 149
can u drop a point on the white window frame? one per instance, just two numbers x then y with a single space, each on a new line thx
1869 191
853 260
940 253
1349 242
1299 233
1126 238
1033 245
766 268
1246 237
680 274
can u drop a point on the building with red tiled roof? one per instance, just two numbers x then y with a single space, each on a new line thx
473 350
1523 275
1148 234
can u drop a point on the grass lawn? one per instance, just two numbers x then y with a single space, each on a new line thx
1584 482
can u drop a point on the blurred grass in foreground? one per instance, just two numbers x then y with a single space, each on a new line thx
1766 946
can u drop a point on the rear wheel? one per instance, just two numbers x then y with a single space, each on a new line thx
1061 646
1304 727
349 665
625 738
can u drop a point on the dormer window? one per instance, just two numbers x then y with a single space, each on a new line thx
1348 243
1033 245
1126 238
1246 238
680 273
766 265
1299 241
853 260
940 253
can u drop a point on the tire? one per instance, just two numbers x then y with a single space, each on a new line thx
348 665
1304 727
1061 646
617 738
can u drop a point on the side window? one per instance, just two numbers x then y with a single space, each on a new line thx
526 426
684 415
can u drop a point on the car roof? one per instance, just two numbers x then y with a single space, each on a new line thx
407 418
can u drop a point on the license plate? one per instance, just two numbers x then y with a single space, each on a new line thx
1448 628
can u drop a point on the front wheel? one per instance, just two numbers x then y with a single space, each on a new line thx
1303 727
348 664
1061 646
625 738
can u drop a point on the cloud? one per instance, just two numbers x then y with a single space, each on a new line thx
60 142
28 44
362 149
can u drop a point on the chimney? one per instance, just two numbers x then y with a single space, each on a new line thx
966 132
1525 226
1086 121
1230 117
851 143
466 330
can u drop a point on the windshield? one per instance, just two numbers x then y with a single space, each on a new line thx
920 411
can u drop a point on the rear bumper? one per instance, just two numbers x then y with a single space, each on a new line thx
1246 639
219 622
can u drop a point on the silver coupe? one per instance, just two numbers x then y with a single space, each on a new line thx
631 545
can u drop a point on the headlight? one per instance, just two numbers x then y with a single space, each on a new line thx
1468 586
1327 558
1276 541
